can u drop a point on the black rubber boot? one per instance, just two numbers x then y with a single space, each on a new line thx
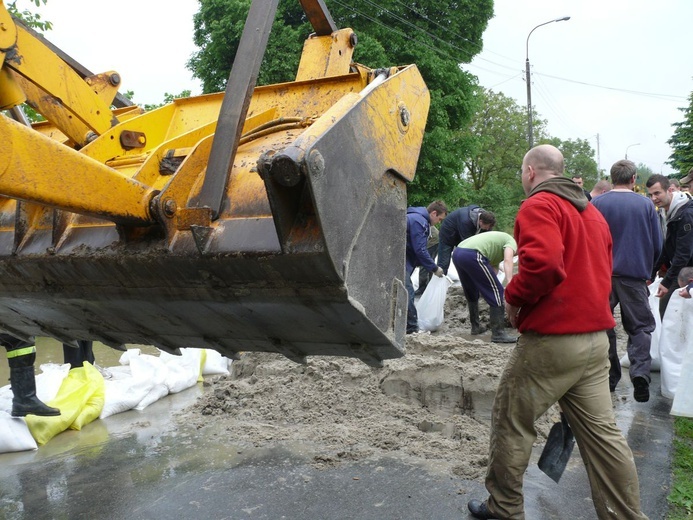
474 318
23 385
498 334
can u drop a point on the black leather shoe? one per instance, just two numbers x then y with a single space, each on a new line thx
641 389
478 509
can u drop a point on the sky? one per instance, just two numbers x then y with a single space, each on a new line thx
618 69
616 73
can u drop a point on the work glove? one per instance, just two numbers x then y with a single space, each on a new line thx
439 272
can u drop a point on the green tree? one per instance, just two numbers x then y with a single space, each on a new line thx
35 22
497 141
30 18
579 159
168 98
682 141
436 36
644 173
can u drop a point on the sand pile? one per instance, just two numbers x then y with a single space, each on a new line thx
431 407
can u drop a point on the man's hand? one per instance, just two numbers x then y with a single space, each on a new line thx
511 311
439 272
684 292
661 291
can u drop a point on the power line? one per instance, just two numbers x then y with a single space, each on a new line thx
423 31
665 97
447 30
468 54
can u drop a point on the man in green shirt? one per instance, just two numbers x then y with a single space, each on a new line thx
476 259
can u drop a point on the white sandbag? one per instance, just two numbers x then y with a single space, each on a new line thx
5 399
215 364
149 367
49 380
158 391
128 355
119 372
154 369
183 370
432 303
124 394
676 335
683 400
654 343
15 434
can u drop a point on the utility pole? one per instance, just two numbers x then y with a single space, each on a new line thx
528 78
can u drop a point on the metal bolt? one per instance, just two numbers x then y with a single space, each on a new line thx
353 40
170 207
114 79
404 116
316 163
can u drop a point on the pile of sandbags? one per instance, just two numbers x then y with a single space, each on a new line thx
87 393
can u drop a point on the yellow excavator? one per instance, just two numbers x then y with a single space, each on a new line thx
265 218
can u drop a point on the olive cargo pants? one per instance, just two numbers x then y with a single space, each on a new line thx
572 370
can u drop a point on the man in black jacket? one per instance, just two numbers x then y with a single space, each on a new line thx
458 226
677 253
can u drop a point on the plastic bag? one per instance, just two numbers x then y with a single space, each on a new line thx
76 392
683 400
184 370
14 434
215 364
654 343
431 305
124 394
676 335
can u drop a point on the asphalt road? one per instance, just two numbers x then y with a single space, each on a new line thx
136 466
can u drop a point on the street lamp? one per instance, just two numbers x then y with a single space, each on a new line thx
530 136
634 144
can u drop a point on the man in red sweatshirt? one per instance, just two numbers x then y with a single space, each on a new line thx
559 301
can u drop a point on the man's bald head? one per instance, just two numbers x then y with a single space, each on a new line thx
540 163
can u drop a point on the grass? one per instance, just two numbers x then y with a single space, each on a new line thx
681 496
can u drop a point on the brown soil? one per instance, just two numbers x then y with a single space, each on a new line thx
430 407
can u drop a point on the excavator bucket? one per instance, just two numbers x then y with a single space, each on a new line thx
266 218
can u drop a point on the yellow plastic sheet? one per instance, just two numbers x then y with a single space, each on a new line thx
80 400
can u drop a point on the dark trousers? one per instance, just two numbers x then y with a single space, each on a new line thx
412 315
638 322
425 274
664 301
478 277
77 356
11 343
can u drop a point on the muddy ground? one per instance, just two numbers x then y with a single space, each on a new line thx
431 407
